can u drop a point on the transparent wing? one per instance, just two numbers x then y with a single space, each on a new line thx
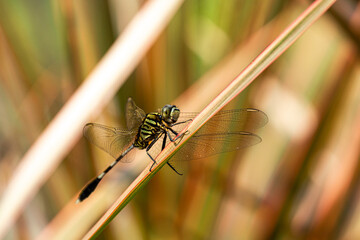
134 115
112 140
226 131
206 145
243 119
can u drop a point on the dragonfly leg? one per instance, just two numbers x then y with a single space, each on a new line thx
162 148
150 146
164 142
177 136
189 120
176 133
152 159
174 169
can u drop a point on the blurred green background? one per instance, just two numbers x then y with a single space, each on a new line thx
301 182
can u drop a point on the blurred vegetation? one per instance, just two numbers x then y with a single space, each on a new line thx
301 182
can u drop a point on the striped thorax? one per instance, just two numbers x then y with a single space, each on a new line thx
154 124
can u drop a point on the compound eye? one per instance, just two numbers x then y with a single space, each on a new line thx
165 111
175 113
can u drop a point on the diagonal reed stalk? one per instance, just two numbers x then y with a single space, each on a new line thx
98 89
260 63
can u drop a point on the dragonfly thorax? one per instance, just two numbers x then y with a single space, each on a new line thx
150 128
154 124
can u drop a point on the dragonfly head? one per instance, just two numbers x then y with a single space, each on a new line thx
170 113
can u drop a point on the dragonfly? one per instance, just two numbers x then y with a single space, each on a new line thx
226 131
